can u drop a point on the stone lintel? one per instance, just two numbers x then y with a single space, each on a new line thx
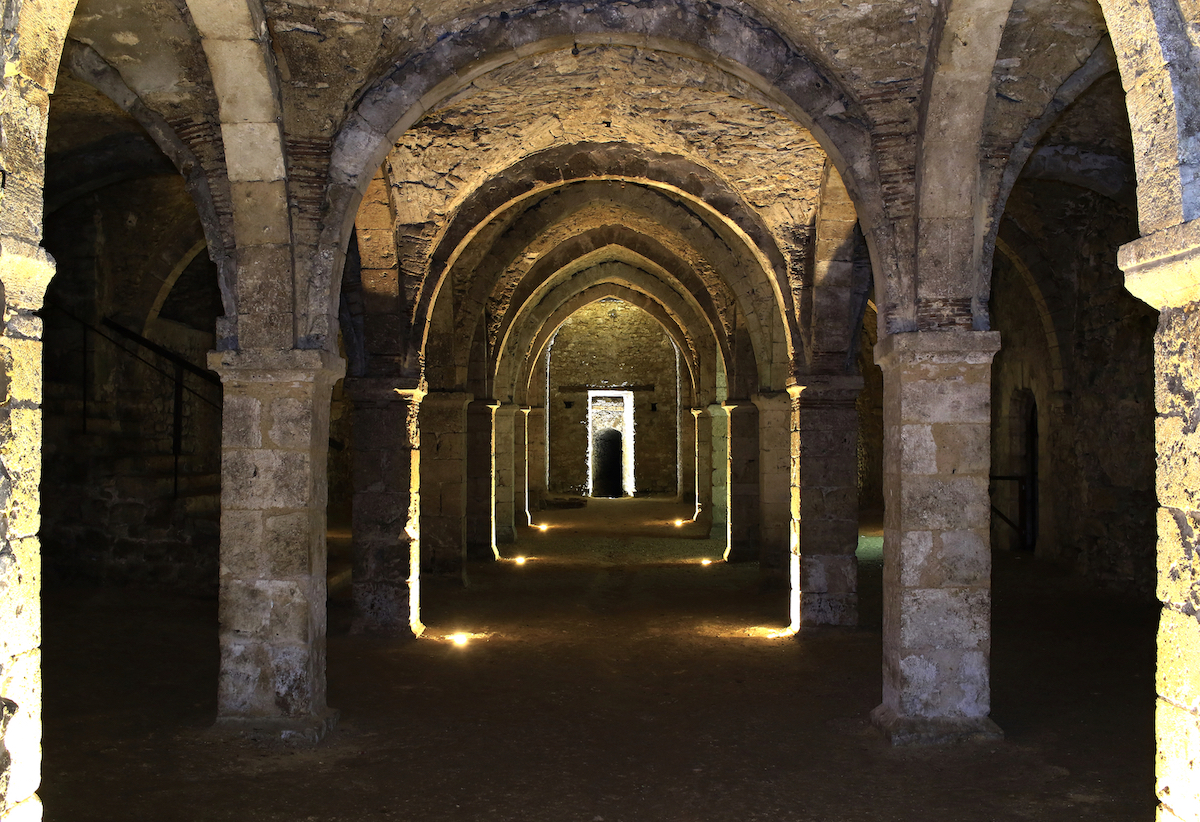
916 730
310 729
1163 269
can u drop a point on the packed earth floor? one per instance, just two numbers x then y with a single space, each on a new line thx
612 677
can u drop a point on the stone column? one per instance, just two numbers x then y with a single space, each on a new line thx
481 477
387 481
1163 269
275 438
743 483
443 430
702 421
536 446
521 466
505 474
937 559
774 481
685 447
720 473
827 421
25 271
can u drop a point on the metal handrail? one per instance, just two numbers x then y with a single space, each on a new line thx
179 366
1022 527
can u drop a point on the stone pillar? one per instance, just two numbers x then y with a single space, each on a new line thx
536 446
521 466
481 478
937 559
505 473
275 438
1163 269
827 422
703 481
774 481
25 272
685 447
743 483
443 430
720 473
387 505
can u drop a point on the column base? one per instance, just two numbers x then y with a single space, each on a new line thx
920 730
311 729
828 609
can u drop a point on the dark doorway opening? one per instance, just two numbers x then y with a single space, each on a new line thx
607 464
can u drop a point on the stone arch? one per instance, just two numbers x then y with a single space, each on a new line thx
639 208
235 39
963 55
588 296
89 67
833 294
1006 245
541 330
722 35
1098 65
1162 94
662 274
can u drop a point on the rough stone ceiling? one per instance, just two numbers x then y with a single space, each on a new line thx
154 47
81 115
663 103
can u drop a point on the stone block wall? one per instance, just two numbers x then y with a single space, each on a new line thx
1077 349
116 508
611 344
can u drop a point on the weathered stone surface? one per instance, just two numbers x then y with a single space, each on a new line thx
273 550
937 576
1177 733
443 446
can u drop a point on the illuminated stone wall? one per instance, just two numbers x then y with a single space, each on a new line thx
611 344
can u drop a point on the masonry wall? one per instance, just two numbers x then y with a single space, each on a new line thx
611 344
117 506
1095 416
870 422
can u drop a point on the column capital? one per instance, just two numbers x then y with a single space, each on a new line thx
25 269
1163 269
383 390
957 347
780 400
291 365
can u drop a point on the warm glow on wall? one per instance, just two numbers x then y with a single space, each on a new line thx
543 527
519 560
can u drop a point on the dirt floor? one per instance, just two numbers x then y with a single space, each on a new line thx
612 677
